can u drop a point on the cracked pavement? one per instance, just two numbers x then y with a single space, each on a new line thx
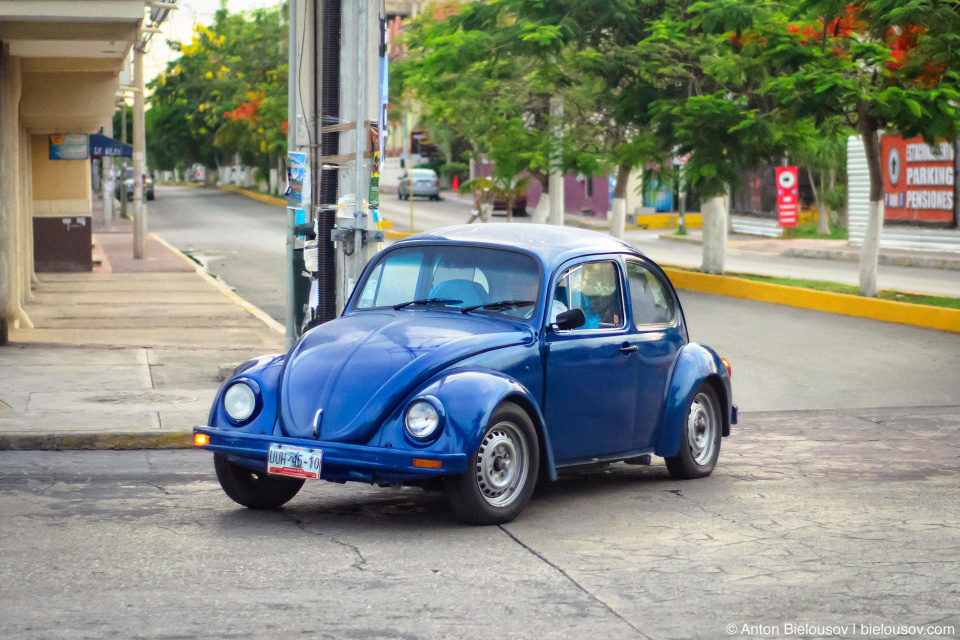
825 517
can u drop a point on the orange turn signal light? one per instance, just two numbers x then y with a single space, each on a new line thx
201 439
726 363
423 463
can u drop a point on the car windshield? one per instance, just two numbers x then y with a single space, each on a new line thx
423 174
491 281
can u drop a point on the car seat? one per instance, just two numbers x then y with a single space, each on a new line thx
469 292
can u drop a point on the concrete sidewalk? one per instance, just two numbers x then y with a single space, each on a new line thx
125 357
818 249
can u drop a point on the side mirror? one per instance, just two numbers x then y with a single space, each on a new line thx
572 319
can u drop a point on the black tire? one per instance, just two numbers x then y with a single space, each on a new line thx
254 489
700 440
473 495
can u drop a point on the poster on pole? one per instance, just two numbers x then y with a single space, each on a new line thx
787 200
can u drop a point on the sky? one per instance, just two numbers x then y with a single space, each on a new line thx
179 26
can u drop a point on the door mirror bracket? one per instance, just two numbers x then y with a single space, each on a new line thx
572 319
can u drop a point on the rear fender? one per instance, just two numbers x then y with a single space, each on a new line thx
695 364
469 397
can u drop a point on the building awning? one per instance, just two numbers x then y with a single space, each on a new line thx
101 145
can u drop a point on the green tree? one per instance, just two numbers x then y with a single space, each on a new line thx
709 105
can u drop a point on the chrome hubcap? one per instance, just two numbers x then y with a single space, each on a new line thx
702 425
502 464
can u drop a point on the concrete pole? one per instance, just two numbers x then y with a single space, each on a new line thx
123 163
139 157
106 180
289 316
555 179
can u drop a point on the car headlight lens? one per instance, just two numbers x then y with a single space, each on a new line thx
422 419
239 401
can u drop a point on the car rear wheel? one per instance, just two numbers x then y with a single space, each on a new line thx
700 440
501 473
254 489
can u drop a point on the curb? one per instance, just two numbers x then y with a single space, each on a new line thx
95 441
262 197
884 310
181 184
256 312
392 234
925 262
675 238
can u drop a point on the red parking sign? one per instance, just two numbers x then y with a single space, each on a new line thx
787 201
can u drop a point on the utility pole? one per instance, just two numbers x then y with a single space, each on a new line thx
106 181
139 156
292 85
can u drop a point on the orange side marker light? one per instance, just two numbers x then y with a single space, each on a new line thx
201 439
726 363
427 464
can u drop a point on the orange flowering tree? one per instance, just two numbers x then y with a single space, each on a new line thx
226 95
876 65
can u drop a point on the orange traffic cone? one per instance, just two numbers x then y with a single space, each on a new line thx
456 183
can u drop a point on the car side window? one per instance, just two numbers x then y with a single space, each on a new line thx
652 302
593 287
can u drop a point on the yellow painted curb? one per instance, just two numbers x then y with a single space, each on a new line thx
262 197
91 441
668 221
224 289
393 234
886 310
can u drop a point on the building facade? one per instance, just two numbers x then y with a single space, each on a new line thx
60 63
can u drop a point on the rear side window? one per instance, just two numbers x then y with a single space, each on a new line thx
652 302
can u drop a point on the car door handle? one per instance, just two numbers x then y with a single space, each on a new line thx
626 347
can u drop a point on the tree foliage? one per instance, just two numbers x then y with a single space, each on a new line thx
226 95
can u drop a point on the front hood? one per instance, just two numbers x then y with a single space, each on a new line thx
358 368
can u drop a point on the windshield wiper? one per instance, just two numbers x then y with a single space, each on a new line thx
503 304
427 301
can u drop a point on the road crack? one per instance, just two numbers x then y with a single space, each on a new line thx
359 564
573 581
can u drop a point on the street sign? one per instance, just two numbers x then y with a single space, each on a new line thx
69 147
918 181
787 201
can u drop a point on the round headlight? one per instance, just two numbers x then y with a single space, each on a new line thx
422 419
239 401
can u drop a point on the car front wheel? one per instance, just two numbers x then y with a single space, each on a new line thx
700 440
254 489
501 473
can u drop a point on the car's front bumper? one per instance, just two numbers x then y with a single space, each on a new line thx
341 461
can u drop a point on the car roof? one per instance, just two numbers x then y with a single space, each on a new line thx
552 244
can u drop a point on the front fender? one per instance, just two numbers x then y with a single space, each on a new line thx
469 398
695 364
265 372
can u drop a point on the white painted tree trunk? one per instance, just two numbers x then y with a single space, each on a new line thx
555 180
618 217
542 211
714 212
870 250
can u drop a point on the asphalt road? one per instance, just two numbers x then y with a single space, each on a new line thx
783 358
818 519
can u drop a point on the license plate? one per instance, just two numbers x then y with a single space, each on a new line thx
297 462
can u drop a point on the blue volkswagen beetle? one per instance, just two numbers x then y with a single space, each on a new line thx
478 359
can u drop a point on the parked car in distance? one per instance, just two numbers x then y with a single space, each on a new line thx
426 184
128 184
519 205
478 359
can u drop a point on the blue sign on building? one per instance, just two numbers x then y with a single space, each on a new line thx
69 147
102 146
